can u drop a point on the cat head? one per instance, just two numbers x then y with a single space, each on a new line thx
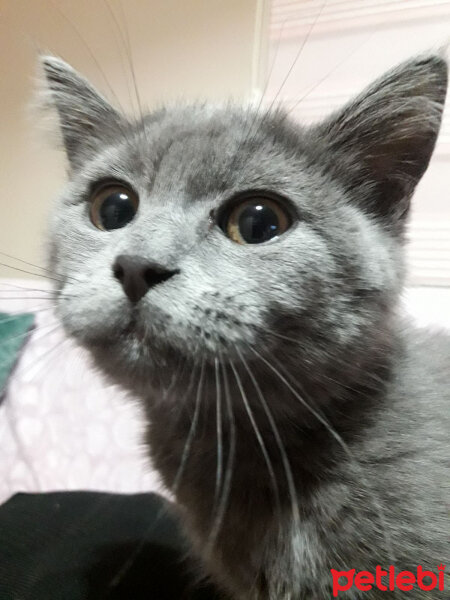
205 232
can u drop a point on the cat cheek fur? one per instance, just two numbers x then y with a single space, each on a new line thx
334 438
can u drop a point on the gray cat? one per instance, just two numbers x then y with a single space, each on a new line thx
241 275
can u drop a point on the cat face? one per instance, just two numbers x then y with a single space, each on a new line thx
204 232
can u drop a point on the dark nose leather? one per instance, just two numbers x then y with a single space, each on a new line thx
137 275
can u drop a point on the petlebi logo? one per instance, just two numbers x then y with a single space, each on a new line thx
389 580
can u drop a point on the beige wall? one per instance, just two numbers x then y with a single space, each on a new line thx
180 49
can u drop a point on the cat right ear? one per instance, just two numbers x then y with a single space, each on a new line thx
379 145
86 119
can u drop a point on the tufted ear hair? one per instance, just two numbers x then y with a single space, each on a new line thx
379 145
86 119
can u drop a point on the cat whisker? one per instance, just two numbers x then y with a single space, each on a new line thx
121 47
89 50
47 331
269 111
336 359
44 358
175 486
129 50
174 379
24 288
219 434
191 433
328 74
128 563
277 370
298 55
126 44
181 403
226 488
259 438
24 335
252 115
279 441
14 316
45 298
25 262
31 273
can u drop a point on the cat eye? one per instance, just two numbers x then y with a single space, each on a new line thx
255 220
113 206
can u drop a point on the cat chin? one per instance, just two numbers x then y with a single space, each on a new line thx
148 336
142 352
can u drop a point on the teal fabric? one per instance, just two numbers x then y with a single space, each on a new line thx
14 331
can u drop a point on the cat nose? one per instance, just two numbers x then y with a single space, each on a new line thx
137 275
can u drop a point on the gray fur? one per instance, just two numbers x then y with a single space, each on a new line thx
333 447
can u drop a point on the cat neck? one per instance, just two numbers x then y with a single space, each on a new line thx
256 418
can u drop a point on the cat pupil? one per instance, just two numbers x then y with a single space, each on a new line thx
258 223
116 211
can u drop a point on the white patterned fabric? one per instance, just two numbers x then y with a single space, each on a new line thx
62 427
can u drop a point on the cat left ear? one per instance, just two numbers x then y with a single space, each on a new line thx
87 120
379 145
